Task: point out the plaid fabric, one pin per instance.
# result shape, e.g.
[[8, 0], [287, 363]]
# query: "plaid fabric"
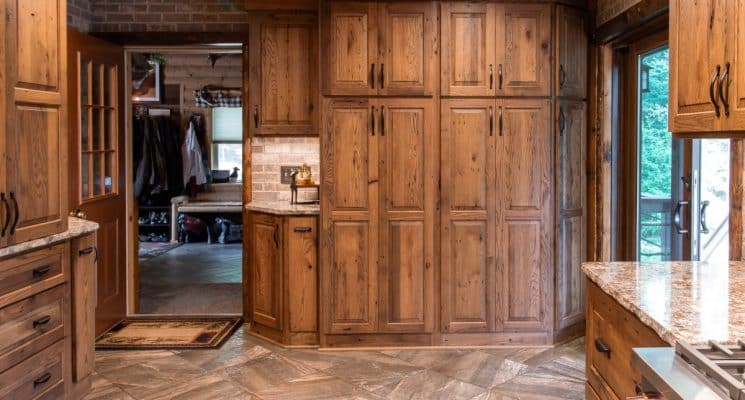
[[219, 98]]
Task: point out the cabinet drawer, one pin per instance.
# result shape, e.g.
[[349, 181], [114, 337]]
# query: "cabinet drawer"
[[612, 332], [39, 377], [30, 273], [30, 325]]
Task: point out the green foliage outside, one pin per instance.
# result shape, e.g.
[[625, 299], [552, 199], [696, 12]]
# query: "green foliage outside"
[[656, 141]]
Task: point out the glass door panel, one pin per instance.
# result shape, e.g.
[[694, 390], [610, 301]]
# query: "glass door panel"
[[712, 239]]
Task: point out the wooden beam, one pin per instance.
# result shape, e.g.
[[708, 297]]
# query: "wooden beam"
[[631, 19]]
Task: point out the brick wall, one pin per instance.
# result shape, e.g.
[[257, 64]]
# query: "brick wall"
[[168, 16], [80, 14], [269, 153]]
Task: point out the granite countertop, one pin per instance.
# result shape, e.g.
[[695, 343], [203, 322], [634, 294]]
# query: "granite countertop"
[[690, 301], [75, 227], [283, 208]]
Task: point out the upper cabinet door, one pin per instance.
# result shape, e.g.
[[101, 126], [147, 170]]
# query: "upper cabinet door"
[[408, 64], [523, 49], [697, 43], [735, 83], [571, 73], [468, 46], [283, 77], [350, 49]]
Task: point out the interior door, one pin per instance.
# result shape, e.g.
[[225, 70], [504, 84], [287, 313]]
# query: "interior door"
[[96, 162]]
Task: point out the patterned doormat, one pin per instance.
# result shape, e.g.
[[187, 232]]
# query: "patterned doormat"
[[163, 333]]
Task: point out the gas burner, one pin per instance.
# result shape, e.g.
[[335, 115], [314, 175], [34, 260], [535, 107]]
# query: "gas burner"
[[724, 365]]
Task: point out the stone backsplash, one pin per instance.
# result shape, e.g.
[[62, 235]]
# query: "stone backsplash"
[[270, 153]]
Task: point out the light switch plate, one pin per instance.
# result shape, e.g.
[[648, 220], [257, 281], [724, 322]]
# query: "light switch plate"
[[287, 171]]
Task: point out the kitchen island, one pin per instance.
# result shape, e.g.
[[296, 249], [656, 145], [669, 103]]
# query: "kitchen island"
[[633, 304]]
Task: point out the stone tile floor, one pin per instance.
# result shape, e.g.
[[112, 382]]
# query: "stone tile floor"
[[250, 368]]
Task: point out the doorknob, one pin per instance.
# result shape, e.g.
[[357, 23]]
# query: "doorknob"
[[677, 217], [78, 213]]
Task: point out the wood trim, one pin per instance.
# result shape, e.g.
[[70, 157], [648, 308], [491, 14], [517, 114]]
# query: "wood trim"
[[737, 200], [637, 16]]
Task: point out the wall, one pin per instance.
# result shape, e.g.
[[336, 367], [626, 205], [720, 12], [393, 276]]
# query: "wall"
[[80, 14], [169, 16]]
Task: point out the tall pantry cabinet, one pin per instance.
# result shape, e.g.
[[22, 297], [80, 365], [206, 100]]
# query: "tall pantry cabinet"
[[447, 161]]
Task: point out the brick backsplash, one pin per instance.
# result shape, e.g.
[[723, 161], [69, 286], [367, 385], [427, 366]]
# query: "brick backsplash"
[[270, 153], [80, 14]]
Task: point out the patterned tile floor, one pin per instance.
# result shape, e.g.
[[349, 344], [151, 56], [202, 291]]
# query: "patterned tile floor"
[[249, 368]]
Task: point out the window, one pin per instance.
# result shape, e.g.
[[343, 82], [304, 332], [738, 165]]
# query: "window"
[[227, 138]]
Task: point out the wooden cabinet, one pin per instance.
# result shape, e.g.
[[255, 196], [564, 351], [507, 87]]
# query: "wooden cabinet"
[[283, 75], [524, 215], [496, 49], [736, 83], [282, 266], [571, 147], [33, 149], [572, 45], [386, 48], [612, 332], [468, 203], [83, 290], [378, 202]]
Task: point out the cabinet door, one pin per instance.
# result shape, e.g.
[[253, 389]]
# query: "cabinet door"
[[408, 176], [571, 192], [571, 73], [3, 123], [523, 49], [697, 41], [302, 273], [468, 45], [524, 183], [350, 216], [265, 278], [468, 218], [36, 66], [350, 49], [409, 48], [284, 58], [736, 81], [84, 285]]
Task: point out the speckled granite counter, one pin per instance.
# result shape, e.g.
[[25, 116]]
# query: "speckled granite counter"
[[283, 208], [75, 227], [689, 301]]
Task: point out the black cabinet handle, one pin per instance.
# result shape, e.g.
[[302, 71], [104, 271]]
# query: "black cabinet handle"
[[562, 121], [382, 120], [562, 76], [372, 75], [602, 347], [372, 119], [491, 76], [382, 76], [42, 321], [256, 116], [42, 379], [722, 84], [712, 95], [17, 213], [88, 250], [491, 121], [303, 229], [7, 214], [499, 74], [501, 123], [39, 272], [276, 238]]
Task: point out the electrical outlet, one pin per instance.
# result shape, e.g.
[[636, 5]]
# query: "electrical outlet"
[[286, 173]]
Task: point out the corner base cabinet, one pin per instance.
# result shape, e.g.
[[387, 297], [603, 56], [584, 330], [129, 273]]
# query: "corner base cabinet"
[[281, 270]]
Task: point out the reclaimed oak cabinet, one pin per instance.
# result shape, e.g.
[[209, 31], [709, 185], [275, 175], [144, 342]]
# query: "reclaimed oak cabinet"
[[33, 151], [283, 75], [385, 48], [282, 271]]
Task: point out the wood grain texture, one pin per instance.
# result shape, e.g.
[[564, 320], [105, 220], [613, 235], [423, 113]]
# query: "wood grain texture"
[[468, 49], [301, 269], [571, 48], [18, 382], [83, 306], [265, 267], [736, 56]]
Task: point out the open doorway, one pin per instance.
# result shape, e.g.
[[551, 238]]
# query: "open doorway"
[[186, 128]]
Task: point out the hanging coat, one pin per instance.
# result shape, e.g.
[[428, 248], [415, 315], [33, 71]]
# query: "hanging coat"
[[191, 156]]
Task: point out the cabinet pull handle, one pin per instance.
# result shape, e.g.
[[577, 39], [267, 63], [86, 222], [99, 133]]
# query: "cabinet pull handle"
[[303, 229], [39, 272], [382, 120], [602, 347], [382, 76], [562, 76], [7, 214], [491, 76], [501, 122], [276, 239], [42, 321], [372, 119], [256, 116], [491, 121], [724, 84], [499, 74], [88, 250], [372, 75], [42, 379], [17, 213], [712, 95], [562, 121]]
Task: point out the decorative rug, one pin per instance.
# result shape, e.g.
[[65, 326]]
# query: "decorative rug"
[[163, 333], [150, 250]]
